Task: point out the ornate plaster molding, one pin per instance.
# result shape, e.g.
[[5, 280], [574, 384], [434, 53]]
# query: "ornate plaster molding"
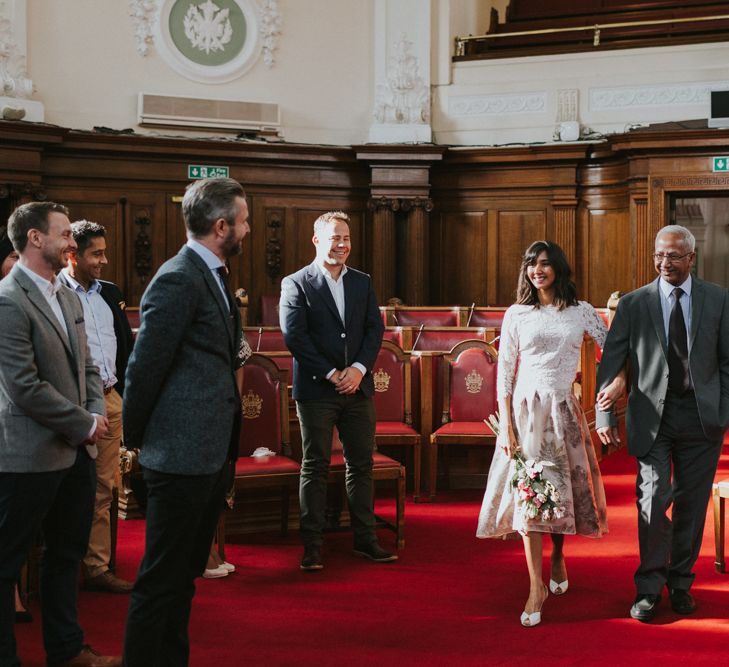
[[13, 76], [487, 105], [629, 97], [270, 22], [404, 97], [145, 16]]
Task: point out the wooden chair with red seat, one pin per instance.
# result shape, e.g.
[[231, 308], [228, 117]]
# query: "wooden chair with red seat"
[[265, 423], [393, 405], [469, 397], [269, 310], [383, 468]]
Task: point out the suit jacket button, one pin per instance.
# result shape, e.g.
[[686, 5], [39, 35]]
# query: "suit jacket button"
[[344, 335], [313, 377]]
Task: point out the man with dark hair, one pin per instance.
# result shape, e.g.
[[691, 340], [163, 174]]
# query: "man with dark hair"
[[182, 410], [332, 325], [52, 412], [110, 342]]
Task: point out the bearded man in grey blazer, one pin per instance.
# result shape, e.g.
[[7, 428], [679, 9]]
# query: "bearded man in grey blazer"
[[182, 410], [674, 336], [51, 417]]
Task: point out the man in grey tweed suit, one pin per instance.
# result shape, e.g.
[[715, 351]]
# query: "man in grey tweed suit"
[[674, 336], [51, 416], [181, 409]]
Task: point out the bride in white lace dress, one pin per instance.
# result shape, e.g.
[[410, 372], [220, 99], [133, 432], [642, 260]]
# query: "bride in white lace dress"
[[541, 336]]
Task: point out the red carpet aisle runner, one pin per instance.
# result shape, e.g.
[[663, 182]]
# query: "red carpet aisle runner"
[[450, 600]]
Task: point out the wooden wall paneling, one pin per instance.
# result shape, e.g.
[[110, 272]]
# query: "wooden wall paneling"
[[464, 257], [517, 230], [607, 245], [146, 217]]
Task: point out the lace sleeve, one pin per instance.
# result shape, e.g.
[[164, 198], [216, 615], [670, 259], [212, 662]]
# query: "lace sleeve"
[[508, 355], [593, 324], [244, 351]]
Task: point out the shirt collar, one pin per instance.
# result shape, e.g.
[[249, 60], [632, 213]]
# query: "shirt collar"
[[667, 288], [328, 275], [46, 287], [76, 286], [212, 261]]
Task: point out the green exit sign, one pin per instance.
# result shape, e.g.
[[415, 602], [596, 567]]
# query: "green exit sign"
[[206, 171], [720, 163]]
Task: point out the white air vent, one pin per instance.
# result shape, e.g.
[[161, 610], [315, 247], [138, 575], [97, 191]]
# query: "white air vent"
[[206, 114]]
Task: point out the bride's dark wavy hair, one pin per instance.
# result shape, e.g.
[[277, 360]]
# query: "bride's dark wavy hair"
[[565, 292]]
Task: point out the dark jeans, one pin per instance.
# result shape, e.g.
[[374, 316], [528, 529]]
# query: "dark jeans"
[[679, 469], [354, 417], [61, 504], [182, 514]]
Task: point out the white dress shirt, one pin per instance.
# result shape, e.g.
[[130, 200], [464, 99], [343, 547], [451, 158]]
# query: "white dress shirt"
[[336, 287]]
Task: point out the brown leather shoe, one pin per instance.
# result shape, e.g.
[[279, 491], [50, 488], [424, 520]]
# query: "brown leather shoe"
[[108, 582], [90, 658]]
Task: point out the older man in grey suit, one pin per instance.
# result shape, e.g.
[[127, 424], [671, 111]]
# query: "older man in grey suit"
[[181, 409], [51, 416], [674, 335]]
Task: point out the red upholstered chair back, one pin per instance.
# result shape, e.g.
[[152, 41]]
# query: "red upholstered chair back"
[[392, 384], [469, 382], [264, 407], [265, 339], [132, 317], [436, 317], [443, 339], [394, 335], [487, 317], [269, 310]]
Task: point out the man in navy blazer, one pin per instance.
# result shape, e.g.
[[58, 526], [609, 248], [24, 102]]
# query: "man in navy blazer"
[[332, 326], [181, 409]]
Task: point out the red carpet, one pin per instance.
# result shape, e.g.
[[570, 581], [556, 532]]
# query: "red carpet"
[[450, 600]]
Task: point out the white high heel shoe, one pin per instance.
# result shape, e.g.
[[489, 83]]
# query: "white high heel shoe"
[[558, 588], [535, 618]]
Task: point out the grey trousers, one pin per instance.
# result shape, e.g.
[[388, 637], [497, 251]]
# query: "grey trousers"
[[678, 470], [354, 417]]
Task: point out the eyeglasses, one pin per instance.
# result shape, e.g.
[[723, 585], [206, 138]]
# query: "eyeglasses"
[[671, 257]]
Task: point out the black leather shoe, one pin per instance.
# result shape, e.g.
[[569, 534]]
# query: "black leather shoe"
[[374, 552], [682, 602], [311, 560], [644, 607]]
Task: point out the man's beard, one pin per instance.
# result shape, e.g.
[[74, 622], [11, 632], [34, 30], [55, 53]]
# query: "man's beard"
[[230, 246]]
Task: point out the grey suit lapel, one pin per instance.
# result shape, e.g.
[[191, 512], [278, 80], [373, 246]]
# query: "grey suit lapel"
[[67, 309], [319, 283], [213, 286], [656, 315], [39, 301], [697, 307]]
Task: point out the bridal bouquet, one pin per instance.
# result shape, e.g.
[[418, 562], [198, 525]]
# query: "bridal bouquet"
[[536, 497]]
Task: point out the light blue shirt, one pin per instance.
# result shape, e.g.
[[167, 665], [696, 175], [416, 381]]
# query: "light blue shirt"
[[99, 328], [49, 290], [212, 261], [667, 301]]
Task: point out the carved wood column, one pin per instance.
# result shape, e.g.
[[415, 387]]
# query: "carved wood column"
[[644, 240], [565, 225], [384, 247], [416, 283]]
